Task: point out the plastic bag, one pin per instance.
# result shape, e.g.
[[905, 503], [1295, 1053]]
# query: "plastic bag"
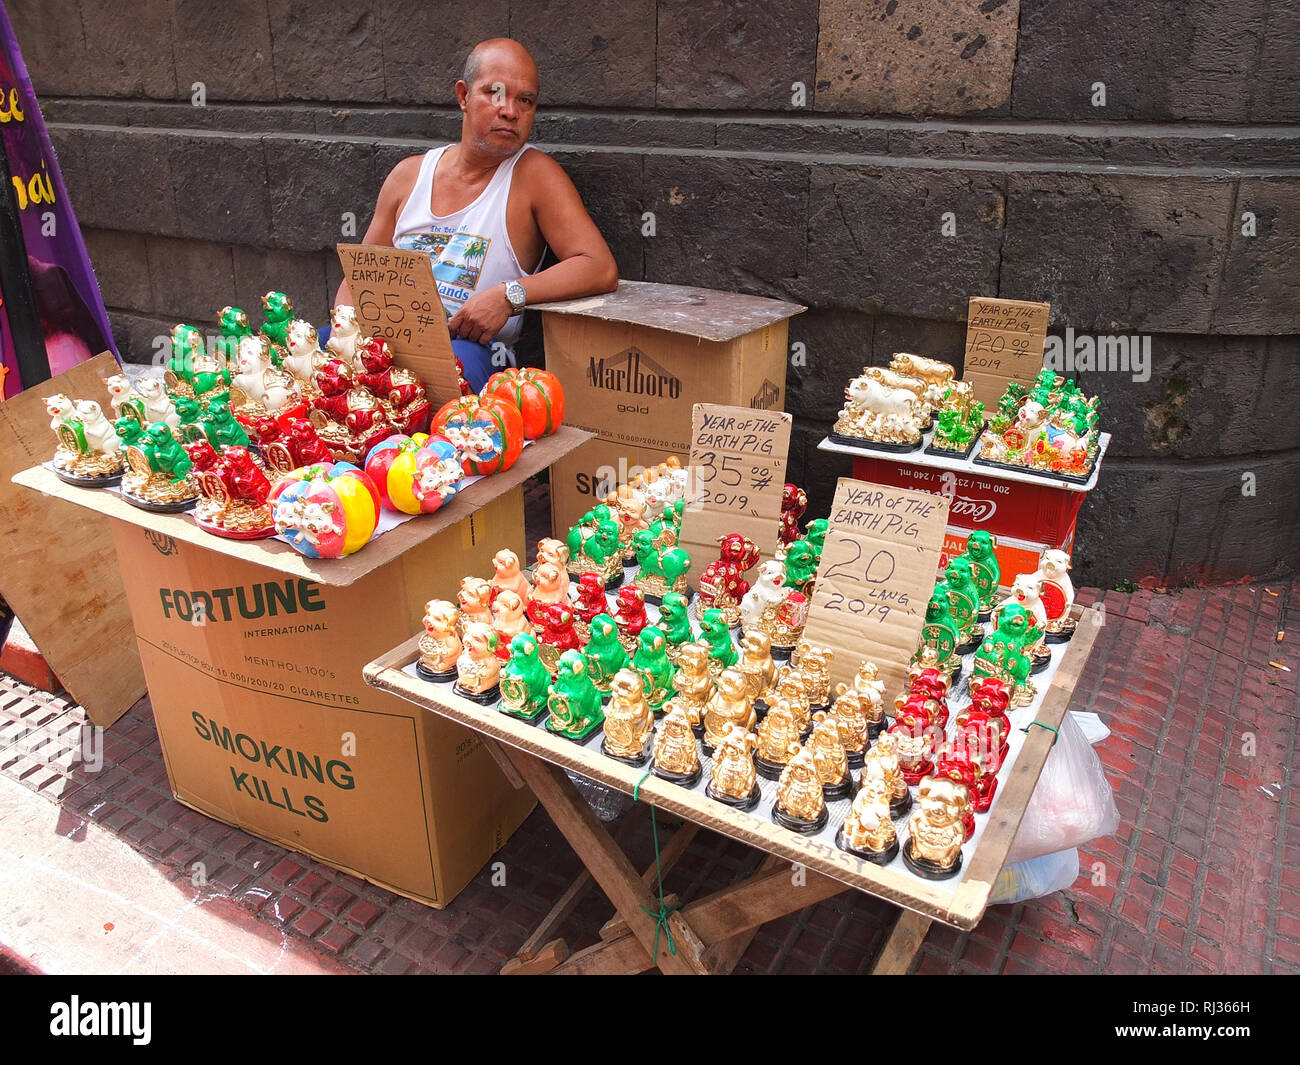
[[1072, 803], [1036, 877]]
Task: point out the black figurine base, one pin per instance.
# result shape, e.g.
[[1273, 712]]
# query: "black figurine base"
[[782, 654], [877, 445], [1047, 475], [958, 454], [160, 508], [686, 780], [87, 482], [842, 790], [484, 698], [1040, 663], [877, 857], [798, 824], [1063, 636], [768, 770], [900, 807], [856, 758], [927, 869], [747, 803], [636, 760], [425, 673], [968, 647]]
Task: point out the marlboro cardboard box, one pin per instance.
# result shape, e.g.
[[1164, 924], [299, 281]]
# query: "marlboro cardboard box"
[[254, 655], [633, 364]]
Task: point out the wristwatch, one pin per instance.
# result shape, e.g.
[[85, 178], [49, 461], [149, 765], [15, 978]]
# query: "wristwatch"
[[517, 296]]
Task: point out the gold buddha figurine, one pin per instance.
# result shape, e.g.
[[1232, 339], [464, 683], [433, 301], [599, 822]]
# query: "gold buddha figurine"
[[854, 714], [728, 705], [800, 804], [693, 681], [885, 752], [790, 686], [629, 721], [829, 756], [756, 663], [475, 598], [935, 829], [676, 752], [815, 664], [778, 737], [478, 669], [868, 830], [439, 645], [732, 778]]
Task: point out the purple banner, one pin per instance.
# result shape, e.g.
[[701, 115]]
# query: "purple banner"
[[73, 321]]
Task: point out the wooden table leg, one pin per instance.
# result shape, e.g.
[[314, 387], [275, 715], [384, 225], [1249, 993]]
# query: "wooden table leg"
[[903, 943], [610, 867]]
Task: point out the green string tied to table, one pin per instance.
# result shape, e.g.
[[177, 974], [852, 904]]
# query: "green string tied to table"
[[664, 912], [1056, 733]]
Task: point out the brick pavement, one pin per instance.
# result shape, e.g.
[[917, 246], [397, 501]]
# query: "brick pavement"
[[1202, 876]]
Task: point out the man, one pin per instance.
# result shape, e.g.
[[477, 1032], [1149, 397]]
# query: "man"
[[486, 208]]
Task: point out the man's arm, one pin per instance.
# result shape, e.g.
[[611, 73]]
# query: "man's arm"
[[392, 198], [586, 266]]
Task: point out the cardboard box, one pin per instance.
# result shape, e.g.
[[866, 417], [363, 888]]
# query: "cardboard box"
[[254, 658], [635, 361]]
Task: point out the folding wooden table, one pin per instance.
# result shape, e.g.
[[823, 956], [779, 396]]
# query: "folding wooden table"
[[710, 934]]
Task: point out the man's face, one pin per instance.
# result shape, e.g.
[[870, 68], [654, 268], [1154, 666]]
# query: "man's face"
[[501, 104]]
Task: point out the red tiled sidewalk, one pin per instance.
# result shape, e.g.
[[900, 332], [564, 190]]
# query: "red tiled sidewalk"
[[1203, 875]]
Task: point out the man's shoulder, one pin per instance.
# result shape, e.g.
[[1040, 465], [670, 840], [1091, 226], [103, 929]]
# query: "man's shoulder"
[[405, 172], [539, 170]]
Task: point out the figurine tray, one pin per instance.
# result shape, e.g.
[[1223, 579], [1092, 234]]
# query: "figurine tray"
[[959, 901]]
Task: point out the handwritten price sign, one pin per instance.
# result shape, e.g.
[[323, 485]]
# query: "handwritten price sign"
[[397, 300], [738, 458], [875, 578], [1004, 343]]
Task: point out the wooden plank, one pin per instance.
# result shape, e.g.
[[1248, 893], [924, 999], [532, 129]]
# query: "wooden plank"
[[901, 946], [724, 956], [961, 905], [541, 961], [618, 957], [751, 903], [565, 904], [277, 554], [616, 926], [617, 878], [504, 764], [58, 567]]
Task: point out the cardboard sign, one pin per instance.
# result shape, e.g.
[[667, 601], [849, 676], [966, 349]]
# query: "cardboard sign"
[[875, 578], [1004, 343], [58, 570], [737, 469], [397, 299]]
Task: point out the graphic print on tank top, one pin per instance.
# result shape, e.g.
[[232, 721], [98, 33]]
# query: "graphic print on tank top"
[[458, 259]]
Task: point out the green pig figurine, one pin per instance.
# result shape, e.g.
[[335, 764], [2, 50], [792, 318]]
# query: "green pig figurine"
[[965, 599], [279, 313], [715, 631], [574, 702], [525, 683], [1003, 655], [605, 654], [980, 550], [651, 661], [675, 621], [221, 428]]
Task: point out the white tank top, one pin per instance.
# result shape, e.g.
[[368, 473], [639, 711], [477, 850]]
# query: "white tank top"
[[470, 248]]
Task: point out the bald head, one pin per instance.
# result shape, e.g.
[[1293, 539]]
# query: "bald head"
[[498, 50]]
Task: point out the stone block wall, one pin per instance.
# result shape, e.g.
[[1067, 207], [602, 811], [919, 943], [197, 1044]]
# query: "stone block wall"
[[1136, 164]]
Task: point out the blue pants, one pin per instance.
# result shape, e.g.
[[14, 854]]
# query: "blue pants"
[[477, 360]]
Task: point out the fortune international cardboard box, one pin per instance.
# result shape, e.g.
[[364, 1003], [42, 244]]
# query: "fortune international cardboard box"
[[254, 656], [635, 361]]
